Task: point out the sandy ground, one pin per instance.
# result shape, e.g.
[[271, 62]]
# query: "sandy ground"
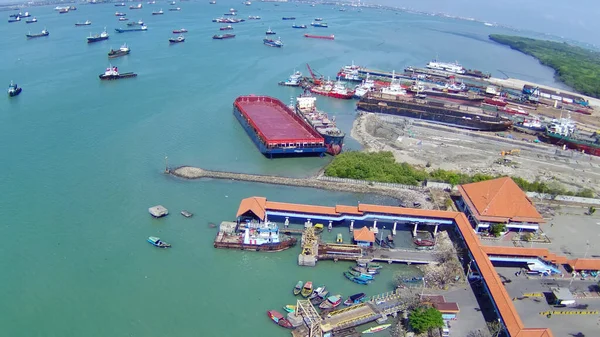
[[420, 143]]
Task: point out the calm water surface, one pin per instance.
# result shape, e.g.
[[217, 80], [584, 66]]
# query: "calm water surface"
[[82, 162]]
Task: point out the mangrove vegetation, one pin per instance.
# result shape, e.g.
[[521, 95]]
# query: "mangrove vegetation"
[[577, 67]]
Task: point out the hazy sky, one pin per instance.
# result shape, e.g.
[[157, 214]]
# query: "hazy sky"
[[574, 19]]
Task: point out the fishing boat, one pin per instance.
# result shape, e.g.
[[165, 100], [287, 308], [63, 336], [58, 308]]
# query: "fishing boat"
[[231, 10], [377, 328], [180, 31], [319, 292], [318, 19], [123, 19], [288, 18], [564, 132], [332, 302], [172, 3], [395, 88], [299, 26], [230, 14], [124, 50], [364, 276], [334, 90], [273, 43], [112, 73], [279, 319], [122, 4], [340, 238], [33, 20], [138, 6], [228, 27], [43, 33], [136, 29], [86, 23], [98, 37], [355, 299], [223, 36], [372, 265], [354, 279], [270, 32], [63, 11], [178, 39], [17, 19], [322, 37], [160, 12], [319, 24], [289, 308], [120, 14], [155, 241], [176, 9], [365, 270], [13, 89], [136, 23], [254, 17], [298, 288], [307, 289], [213, 2], [366, 86], [187, 214], [424, 242]]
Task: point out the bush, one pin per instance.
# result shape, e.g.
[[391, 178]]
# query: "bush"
[[498, 229], [424, 319]]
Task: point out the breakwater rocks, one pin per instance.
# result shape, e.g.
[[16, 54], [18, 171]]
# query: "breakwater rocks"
[[402, 192]]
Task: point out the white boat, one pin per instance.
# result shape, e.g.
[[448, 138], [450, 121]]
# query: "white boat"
[[293, 80], [445, 66], [366, 86], [395, 87]]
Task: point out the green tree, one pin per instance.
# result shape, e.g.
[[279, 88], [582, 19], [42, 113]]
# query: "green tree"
[[498, 229], [424, 319]]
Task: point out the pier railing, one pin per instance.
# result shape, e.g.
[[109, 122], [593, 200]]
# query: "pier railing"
[[371, 183]]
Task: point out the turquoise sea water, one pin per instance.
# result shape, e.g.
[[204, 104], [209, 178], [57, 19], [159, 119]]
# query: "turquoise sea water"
[[82, 162]]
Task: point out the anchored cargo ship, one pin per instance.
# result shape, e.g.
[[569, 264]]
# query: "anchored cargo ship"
[[441, 113], [324, 37], [307, 109], [275, 129]]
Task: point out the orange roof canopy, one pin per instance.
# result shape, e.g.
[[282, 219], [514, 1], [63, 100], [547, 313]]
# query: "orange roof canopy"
[[364, 234]]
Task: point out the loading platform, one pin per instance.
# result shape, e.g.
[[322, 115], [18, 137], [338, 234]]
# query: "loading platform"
[[376, 307]]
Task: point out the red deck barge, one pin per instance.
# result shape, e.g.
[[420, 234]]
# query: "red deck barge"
[[275, 128]]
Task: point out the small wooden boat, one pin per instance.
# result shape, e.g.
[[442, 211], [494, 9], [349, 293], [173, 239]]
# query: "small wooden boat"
[[298, 288], [377, 328], [364, 270], [279, 319], [356, 280], [375, 266], [332, 302], [307, 289], [289, 308], [424, 242], [155, 241], [366, 277], [319, 292], [340, 238], [187, 214], [355, 299]]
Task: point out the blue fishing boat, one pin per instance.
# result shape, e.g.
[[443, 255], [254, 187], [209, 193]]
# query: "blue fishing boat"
[[288, 18], [155, 241], [366, 277], [356, 280], [319, 24], [299, 26], [14, 89], [135, 29], [355, 299]]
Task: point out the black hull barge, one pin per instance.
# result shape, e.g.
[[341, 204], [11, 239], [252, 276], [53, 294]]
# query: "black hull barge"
[[447, 114]]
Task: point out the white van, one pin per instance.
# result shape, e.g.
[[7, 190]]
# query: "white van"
[[446, 329]]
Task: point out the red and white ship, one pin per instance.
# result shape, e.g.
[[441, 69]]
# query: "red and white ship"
[[515, 111], [335, 90], [350, 73]]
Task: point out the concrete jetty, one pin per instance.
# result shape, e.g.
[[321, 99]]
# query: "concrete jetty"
[[322, 182]]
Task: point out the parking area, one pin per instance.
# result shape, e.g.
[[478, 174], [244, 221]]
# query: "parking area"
[[529, 307]]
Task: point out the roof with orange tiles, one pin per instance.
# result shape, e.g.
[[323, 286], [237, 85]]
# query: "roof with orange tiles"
[[447, 307], [364, 234], [503, 302], [584, 264], [499, 200], [520, 251]]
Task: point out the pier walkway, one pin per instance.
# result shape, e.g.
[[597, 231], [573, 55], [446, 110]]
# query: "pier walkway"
[[376, 307]]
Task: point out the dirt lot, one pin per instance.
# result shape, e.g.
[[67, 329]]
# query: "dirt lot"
[[422, 143]]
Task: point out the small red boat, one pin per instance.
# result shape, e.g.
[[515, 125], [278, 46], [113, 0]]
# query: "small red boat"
[[513, 111], [324, 37], [278, 318], [424, 242], [585, 112], [495, 101], [179, 31]]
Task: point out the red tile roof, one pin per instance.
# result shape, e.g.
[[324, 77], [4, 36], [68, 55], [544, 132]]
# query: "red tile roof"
[[499, 200], [447, 307], [364, 234], [503, 302], [584, 264]]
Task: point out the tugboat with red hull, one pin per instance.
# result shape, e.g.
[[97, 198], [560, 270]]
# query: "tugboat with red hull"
[[275, 129], [333, 136]]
